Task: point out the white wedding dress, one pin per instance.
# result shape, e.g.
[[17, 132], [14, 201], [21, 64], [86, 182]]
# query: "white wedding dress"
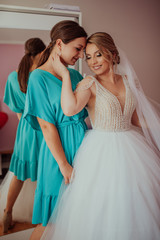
[[115, 191]]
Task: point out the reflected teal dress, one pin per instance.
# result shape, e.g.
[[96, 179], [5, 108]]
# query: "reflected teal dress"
[[24, 161], [43, 101]]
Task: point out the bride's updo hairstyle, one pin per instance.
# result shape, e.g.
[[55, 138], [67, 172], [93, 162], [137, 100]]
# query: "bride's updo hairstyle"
[[106, 45]]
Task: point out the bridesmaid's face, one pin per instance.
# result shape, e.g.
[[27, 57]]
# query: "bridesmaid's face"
[[72, 51], [95, 60]]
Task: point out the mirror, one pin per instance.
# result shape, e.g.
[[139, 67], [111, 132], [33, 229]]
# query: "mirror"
[[12, 50], [18, 24]]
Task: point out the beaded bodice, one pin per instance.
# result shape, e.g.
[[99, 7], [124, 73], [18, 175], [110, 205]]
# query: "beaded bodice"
[[109, 115]]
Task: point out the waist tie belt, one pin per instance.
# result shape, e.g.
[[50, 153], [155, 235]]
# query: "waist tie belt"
[[76, 122]]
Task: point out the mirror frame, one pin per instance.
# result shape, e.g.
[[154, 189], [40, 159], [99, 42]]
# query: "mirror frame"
[[20, 15]]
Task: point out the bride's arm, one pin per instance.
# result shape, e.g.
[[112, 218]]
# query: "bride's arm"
[[135, 120], [71, 102]]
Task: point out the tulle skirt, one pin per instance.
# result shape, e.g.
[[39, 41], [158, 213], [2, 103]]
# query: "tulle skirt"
[[115, 192], [23, 207]]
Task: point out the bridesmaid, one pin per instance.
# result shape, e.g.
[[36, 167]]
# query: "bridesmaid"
[[24, 161], [62, 135]]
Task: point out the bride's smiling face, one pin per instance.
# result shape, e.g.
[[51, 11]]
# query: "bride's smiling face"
[[95, 60]]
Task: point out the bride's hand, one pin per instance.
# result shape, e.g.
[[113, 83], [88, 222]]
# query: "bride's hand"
[[58, 66], [66, 170]]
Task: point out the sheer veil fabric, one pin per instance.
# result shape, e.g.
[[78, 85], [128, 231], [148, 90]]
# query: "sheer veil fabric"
[[147, 109]]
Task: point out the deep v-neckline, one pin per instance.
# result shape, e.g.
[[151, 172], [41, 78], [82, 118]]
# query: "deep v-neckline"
[[114, 96]]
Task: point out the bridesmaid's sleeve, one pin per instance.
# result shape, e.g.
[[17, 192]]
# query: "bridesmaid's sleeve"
[[37, 102], [13, 96]]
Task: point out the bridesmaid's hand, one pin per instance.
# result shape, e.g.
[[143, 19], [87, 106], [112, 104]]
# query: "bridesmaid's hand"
[[58, 66], [66, 170]]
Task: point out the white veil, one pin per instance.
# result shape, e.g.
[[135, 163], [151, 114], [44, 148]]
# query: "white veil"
[[148, 111]]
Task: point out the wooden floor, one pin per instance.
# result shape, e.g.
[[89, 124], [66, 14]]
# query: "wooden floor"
[[18, 227]]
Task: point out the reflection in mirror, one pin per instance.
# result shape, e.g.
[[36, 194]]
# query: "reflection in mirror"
[[12, 50]]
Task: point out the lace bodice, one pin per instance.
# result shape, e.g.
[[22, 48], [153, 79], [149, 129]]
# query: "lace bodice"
[[109, 115]]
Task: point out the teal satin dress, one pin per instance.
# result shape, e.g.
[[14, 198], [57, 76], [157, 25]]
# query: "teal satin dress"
[[43, 101], [24, 161]]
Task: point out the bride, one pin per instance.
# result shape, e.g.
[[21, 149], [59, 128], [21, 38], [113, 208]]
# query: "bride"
[[115, 190]]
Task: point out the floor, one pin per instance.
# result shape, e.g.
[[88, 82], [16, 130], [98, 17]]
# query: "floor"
[[25, 235], [18, 232]]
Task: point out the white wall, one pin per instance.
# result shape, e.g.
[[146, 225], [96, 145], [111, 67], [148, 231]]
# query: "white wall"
[[134, 25]]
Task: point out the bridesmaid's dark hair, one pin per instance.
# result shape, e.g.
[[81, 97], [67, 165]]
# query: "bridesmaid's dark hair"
[[33, 46], [67, 31]]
